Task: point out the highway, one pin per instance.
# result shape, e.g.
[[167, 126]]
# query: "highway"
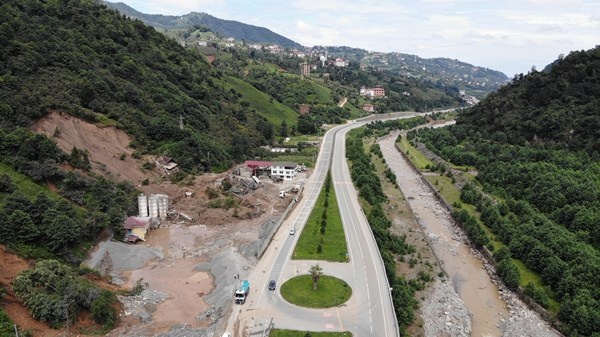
[[369, 312]]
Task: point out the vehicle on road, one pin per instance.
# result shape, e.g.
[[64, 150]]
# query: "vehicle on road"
[[292, 231], [272, 285], [226, 334], [242, 292]]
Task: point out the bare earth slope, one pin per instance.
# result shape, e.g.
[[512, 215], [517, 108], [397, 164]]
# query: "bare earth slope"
[[106, 145]]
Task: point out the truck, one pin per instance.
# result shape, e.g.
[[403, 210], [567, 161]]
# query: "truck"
[[242, 292]]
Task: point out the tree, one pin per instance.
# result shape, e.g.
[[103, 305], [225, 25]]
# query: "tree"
[[21, 227], [6, 184], [315, 273], [306, 125], [283, 130]]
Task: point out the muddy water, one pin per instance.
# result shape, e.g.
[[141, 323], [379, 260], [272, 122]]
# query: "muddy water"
[[465, 271]]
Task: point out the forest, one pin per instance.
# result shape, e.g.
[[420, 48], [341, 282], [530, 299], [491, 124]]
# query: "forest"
[[90, 61], [558, 105], [537, 192]]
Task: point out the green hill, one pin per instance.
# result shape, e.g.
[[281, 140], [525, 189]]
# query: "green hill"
[[91, 62], [227, 28], [559, 105], [263, 104], [474, 80], [534, 145]]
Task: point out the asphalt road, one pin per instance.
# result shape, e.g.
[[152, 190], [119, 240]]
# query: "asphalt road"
[[369, 312]]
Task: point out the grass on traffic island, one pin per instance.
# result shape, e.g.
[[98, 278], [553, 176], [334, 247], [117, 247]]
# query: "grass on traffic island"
[[332, 241], [295, 333], [331, 291]]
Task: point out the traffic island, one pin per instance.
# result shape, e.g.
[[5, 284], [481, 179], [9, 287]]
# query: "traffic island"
[[330, 291]]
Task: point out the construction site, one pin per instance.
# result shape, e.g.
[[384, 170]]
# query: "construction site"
[[187, 241]]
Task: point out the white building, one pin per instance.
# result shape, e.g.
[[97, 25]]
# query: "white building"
[[286, 170], [340, 62]]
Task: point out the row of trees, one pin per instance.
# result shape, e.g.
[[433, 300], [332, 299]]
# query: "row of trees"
[[548, 215], [365, 179]]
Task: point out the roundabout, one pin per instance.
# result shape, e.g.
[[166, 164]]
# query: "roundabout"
[[330, 291]]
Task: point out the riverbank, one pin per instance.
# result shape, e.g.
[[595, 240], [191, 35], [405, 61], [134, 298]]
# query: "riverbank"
[[492, 309]]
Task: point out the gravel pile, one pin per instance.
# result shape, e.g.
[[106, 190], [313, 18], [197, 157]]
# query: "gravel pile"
[[522, 321], [142, 305], [184, 330], [444, 313]]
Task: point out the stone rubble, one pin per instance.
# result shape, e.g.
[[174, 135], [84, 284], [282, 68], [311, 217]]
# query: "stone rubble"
[[444, 312]]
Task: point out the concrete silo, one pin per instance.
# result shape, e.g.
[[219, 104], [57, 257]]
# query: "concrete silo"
[[143, 205], [153, 206]]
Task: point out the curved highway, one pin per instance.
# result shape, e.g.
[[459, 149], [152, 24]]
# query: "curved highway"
[[369, 312]]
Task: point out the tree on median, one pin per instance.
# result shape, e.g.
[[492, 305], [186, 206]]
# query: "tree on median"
[[315, 273]]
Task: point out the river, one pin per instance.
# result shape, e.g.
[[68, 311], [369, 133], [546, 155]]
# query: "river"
[[467, 274]]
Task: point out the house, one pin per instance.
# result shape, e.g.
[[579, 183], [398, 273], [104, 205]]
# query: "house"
[[167, 164], [340, 62], [136, 227], [285, 170], [259, 168], [283, 149], [243, 171], [377, 91], [368, 107], [305, 68]]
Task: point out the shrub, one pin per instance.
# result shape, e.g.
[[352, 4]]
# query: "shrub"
[[102, 310]]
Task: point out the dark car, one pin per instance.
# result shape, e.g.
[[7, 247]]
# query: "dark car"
[[272, 285]]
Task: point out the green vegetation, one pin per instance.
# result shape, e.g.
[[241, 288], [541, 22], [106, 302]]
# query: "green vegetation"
[[323, 235], [330, 292], [557, 105], [415, 156], [54, 293], [295, 333], [93, 63], [204, 22], [6, 325], [271, 110], [44, 224], [368, 183], [442, 71], [542, 199]]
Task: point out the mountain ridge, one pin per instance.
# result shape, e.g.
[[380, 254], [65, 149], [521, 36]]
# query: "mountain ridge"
[[558, 105], [228, 28], [475, 80]]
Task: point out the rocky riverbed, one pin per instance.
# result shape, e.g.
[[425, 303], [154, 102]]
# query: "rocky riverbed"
[[445, 310]]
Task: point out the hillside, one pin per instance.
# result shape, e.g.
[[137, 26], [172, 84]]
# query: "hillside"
[[91, 62], [226, 28], [559, 105], [474, 80], [534, 147]]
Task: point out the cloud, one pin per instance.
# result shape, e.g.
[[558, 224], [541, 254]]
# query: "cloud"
[[564, 19], [490, 33], [309, 34]]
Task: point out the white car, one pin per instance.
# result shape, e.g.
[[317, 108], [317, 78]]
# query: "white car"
[[226, 334], [292, 231]]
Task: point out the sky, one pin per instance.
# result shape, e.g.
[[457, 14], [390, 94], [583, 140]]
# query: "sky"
[[506, 35]]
